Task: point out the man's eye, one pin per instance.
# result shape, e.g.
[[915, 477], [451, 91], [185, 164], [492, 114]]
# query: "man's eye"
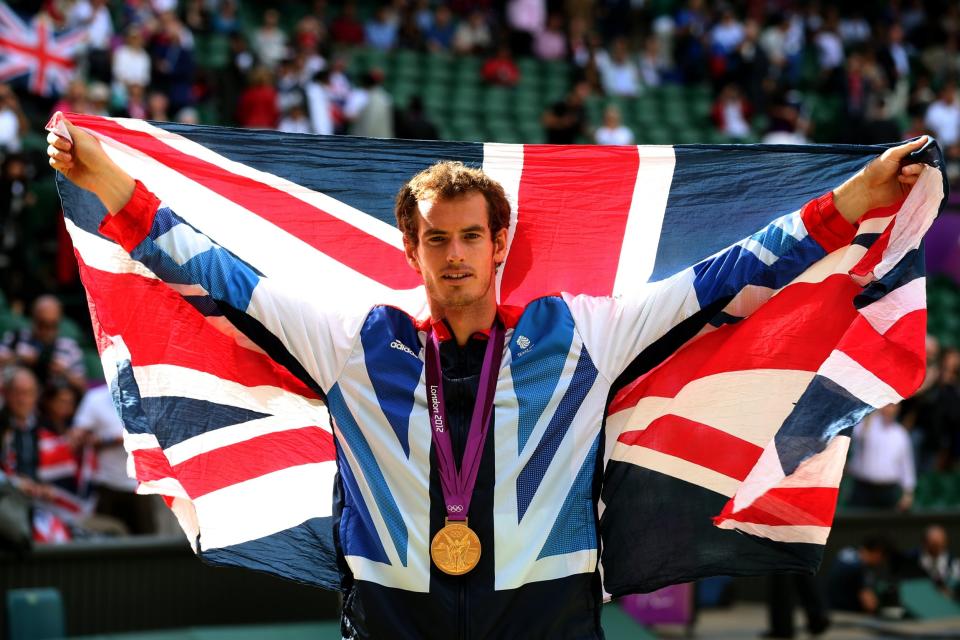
[[472, 236]]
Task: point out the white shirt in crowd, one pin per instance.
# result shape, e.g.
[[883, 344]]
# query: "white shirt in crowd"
[[131, 66], [614, 135], [882, 453], [619, 79], [830, 48], [97, 415], [9, 131], [98, 22], [944, 120], [270, 45]]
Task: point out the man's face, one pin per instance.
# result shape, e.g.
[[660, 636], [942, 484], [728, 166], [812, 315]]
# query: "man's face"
[[46, 322], [22, 395], [455, 252]]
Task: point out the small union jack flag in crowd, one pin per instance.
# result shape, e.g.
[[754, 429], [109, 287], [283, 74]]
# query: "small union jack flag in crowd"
[[35, 51]]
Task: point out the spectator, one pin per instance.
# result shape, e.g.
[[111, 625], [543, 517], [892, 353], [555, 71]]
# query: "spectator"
[[439, 36], [19, 424], [269, 40], [727, 34], [319, 104], [381, 31], [136, 102], [98, 99], [731, 113], [13, 122], [173, 62], [295, 120], [370, 108], [225, 19], [347, 29], [551, 43], [97, 425], [881, 464], [33, 456], [653, 67], [787, 123], [943, 118], [501, 69], [131, 62], [473, 35], [566, 121], [934, 411], [618, 74], [853, 582], [94, 16], [612, 131], [258, 103], [936, 562], [40, 347], [74, 100], [413, 123], [158, 107], [525, 19]]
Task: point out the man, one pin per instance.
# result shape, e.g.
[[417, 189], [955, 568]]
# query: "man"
[[42, 349], [936, 562], [882, 462], [97, 424], [858, 580], [432, 548]]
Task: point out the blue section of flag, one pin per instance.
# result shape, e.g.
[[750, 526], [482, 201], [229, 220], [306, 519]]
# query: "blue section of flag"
[[529, 479], [824, 410], [303, 553], [536, 382], [368, 179], [184, 418], [390, 344], [728, 273], [126, 398], [746, 188], [575, 527], [386, 504]]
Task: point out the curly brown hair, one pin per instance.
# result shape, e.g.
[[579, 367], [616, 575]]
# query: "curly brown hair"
[[446, 180]]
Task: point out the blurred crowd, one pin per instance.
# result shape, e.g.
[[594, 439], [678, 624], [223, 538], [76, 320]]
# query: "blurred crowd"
[[61, 441]]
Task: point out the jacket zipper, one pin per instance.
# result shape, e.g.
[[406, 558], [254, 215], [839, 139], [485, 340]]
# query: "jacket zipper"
[[462, 610]]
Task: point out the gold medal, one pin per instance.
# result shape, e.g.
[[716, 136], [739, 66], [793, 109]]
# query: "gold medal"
[[455, 549]]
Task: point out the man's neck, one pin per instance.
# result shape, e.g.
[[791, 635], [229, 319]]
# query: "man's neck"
[[466, 321]]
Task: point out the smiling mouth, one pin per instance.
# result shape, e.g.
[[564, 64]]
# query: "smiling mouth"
[[456, 276]]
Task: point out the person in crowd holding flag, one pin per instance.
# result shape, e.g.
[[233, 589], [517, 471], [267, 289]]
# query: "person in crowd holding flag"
[[471, 542]]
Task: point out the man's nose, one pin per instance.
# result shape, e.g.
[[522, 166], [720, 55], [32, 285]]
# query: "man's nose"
[[455, 252]]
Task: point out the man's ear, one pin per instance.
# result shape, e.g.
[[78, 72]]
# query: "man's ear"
[[500, 246], [410, 252]]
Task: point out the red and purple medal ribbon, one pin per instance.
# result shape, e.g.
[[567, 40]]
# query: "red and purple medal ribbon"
[[457, 485]]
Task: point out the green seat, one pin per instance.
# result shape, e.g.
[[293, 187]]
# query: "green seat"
[[923, 601], [93, 365], [34, 614]]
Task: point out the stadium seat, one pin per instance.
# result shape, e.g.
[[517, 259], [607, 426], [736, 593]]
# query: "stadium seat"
[[34, 614], [923, 601]]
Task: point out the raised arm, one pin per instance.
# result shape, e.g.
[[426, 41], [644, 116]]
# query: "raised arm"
[[666, 314], [271, 313]]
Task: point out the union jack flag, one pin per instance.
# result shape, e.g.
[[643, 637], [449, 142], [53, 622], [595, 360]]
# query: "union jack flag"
[[37, 52], [724, 443]]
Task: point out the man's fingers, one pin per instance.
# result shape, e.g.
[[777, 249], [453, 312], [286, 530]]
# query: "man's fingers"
[[900, 152], [62, 156], [914, 169], [911, 180], [58, 142]]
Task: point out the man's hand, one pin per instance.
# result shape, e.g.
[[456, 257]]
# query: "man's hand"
[[879, 184], [86, 164]]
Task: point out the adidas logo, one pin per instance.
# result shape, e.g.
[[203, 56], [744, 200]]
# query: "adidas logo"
[[523, 342], [396, 344]]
